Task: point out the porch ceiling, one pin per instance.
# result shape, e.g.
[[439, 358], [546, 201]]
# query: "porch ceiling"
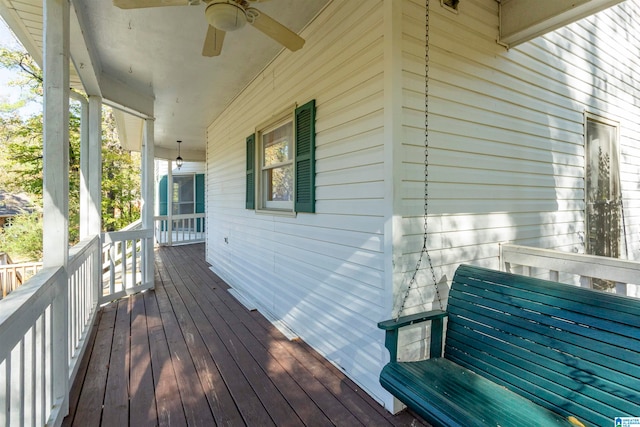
[[150, 59], [142, 57]]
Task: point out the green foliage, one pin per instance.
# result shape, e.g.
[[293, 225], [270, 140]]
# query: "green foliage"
[[21, 160], [21, 237], [28, 75], [120, 180]]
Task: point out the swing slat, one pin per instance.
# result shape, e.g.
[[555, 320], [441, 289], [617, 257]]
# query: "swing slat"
[[522, 351]]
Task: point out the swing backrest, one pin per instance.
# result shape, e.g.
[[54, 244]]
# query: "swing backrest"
[[570, 349]]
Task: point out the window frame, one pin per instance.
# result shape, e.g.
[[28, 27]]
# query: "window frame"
[[304, 135], [615, 151], [263, 205]]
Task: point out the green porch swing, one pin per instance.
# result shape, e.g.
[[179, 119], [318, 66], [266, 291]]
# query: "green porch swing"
[[519, 351]]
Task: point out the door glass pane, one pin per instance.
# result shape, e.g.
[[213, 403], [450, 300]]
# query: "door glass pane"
[[183, 195]]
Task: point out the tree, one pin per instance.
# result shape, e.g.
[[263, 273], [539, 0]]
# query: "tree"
[[21, 158], [120, 179], [22, 238]]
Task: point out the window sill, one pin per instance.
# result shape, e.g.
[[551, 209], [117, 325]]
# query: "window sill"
[[277, 212]]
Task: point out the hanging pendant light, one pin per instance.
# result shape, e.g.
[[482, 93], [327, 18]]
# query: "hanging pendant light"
[[179, 159]]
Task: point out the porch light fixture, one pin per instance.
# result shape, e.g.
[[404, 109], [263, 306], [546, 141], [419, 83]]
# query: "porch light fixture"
[[179, 159], [227, 16]]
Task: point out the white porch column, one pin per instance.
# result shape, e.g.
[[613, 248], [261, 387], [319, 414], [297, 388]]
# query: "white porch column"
[[84, 163], [169, 202], [94, 218], [148, 191], [56, 180]]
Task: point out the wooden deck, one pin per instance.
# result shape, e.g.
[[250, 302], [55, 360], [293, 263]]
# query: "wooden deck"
[[187, 353]]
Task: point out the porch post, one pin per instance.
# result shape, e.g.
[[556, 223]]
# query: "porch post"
[[170, 202], [56, 181], [94, 193], [84, 164], [148, 204], [94, 219], [90, 173]]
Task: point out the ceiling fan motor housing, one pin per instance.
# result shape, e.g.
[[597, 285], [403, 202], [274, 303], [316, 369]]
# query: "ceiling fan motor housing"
[[227, 16]]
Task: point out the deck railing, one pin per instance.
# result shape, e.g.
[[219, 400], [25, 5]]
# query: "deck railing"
[[613, 274], [123, 263], [83, 295], [14, 275], [43, 334], [44, 324], [180, 229]]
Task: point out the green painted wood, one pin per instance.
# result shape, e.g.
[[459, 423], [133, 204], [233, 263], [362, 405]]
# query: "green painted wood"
[[305, 170], [391, 327], [250, 183], [403, 321], [199, 192], [570, 350], [162, 195], [446, 394]]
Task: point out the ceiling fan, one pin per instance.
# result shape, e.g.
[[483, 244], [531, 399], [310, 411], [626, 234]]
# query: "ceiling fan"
[[225, 16]]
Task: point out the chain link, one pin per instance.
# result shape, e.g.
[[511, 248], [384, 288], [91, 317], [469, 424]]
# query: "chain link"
[[425, 250]]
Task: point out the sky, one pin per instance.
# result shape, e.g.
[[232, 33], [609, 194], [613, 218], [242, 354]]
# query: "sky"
[[11, 93]]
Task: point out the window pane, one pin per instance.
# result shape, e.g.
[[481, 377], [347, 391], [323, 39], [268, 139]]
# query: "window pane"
[[603, 213], [277, 145], [278, 184]]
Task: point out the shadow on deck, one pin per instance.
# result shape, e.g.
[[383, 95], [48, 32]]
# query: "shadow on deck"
[[187, 353]]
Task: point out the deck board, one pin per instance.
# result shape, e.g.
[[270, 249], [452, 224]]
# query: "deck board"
[[187, 353]]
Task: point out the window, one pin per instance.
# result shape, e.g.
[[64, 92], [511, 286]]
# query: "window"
[[603, 197], [280, 172], [276, 165]]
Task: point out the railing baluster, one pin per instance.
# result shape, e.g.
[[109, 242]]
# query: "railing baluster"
[[5, 398], [17, 381], [30, 350], [40, 369], [123, 264], [621, 288], [585, 282], [134, 263]]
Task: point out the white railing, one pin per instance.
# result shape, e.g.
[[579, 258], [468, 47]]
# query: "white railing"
[[14, 275], [45, 323], [43, 334], [33, 352], [83, 294], [572, 268], [123, 265], [180, 229]]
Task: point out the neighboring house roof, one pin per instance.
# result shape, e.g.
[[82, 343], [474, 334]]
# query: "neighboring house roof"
[[14, 204]]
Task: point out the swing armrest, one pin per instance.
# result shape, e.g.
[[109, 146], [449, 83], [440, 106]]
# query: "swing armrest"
[[392, 326]]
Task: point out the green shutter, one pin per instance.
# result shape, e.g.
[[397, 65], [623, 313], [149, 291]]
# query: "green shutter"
[[200, 193], [162, 197], [305, 157], [199, 178], [251, 175]]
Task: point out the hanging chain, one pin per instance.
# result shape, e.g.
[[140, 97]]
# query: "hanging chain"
[[425, 250]]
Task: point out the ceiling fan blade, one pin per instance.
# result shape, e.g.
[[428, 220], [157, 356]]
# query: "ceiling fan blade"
[[136, 4], [213, 42], [277, 31]]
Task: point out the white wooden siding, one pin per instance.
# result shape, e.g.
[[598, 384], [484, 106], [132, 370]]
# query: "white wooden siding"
[[322, 273], [506, 154], [506, 134], [187, 168]]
